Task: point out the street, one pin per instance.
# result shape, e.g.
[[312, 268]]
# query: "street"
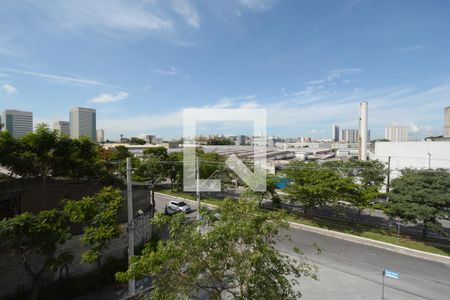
[[349, 270]]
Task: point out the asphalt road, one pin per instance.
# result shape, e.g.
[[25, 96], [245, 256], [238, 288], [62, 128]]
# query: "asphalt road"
[[349, 270]]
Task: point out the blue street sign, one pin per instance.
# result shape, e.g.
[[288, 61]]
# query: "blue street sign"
[[391, 274]]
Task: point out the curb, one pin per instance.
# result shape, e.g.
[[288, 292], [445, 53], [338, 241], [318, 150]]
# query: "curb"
[[353, 238]]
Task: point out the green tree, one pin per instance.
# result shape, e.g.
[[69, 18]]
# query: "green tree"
[[137, 141], [120, 153], [420, 196], [47, 153], [29, 235], [160, 152], [269, 194], [314, 185], [235, 258], [367, 176], [175, 169], [99, 216]]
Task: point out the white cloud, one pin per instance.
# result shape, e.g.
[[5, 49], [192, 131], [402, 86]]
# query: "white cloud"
[[9, 89], [60, 78], [106, 16], [108, 98], [258, 5], [187, 11], [413, 48], [172, 71]]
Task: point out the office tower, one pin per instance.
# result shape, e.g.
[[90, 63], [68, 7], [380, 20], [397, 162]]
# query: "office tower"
[[62, 126], [396, 133], [240, 140], [447, 122], [17, 123], [83, 123], [100, 136], [363, 131], [336, 133]]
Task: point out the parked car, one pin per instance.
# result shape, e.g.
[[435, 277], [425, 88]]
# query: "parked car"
[[178, 206]]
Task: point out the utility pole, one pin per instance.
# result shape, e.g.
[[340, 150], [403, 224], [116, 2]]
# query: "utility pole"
[[429, 160], [131, 284], [388, 177], [197, 185]]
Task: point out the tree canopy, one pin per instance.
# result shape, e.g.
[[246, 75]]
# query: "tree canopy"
[[420, 196], [234, 256], [98, 214], [46, 153], [28, 235]]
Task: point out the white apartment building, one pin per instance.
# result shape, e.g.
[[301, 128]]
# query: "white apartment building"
[[62, 126], [83, 123], [349, 135], [100, 136], [447, 122], [396, 133], [17, 123]]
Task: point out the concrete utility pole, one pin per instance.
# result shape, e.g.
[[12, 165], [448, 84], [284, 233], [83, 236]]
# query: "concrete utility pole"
[[131, 284], [388, 177], [197, 185], [429, 160], [363, 131]]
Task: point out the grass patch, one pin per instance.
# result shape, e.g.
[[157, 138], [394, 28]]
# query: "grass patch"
[[374, 233]]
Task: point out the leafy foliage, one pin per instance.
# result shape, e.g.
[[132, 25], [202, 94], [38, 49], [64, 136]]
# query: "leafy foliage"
[[47, 153], [39, 234], [314, 186], [317, 184], [98, 214], [420, 196], [160, 152], [233, 257]]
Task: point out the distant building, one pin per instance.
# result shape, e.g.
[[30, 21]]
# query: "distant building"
[[62, 126], [149, 139], [349, 135], [17, 123], [241, 140], [396, 133], [100, 136], [447, 122], [83, 123], [336, 133]]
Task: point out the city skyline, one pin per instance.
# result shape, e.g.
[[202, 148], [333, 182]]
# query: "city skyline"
[[140, 64]]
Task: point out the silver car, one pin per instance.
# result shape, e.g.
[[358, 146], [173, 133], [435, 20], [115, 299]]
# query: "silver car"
[[179, 206]]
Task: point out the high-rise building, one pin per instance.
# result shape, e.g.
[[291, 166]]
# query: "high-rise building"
[[100, 136], [241, 140], [62, 126], [447, 122], [18, 123], [83, 123], [396, 133], [336, 133], [349, 135]]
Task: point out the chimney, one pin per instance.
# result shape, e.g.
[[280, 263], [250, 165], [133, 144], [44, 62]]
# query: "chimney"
[[363, 111]]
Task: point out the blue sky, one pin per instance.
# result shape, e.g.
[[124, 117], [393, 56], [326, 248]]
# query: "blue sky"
[[308, 62]]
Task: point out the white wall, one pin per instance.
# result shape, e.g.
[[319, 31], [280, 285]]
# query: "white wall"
[[413, 154]]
